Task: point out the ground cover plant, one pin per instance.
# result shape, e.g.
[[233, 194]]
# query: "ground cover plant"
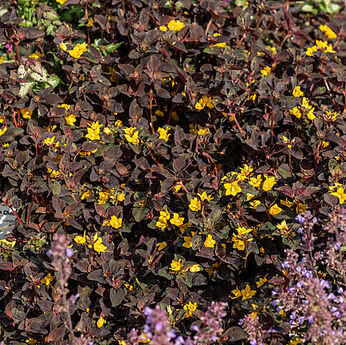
[[176, 169]]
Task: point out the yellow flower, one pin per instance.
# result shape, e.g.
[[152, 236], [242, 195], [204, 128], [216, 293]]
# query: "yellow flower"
[[254, 204], [53, 173], [26, 113], [118, 123], [272, 49], [249, 196], [94, 131], [256, 181], [162, 224], [340, 194], [203, 102], [195, 268], [176, 220], [262, 281], [165, 215], [297, 92], [209, 242], [245, 172], [242, 230], [2, 58], [324, 144], [205, 196], [247, 292], [236, 292], [203, 131], [265, 71], [176, 265], [71, 119], [116, 222], [324, 46], [286, 203], [296, 112], [161, 245], [269, 183], [35, 55], [163, 28], [98, 246], [61, 2], [121, 197], [195, 204], [90, 22], [328, 31], [128, 286], [188, 241], [80, 239], [163, 133], [175, 25], [86, 195], [282, 225], [78, 50], [274, 210], [32, 341], [47, 279], [63, 46], [8, 243], [190, 306], [103, 197], [50, 142], [295, 341], [311, 50], [131, 135], [144, 338], [232, 188], [122, 342], [238, 243], [100, 322], [300, 208], [49, 128]]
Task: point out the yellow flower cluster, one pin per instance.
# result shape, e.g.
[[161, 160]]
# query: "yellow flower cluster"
[[100, 322], [114, 222], [204, 101], [47, 279], [94, 131], [51, 142], [36, 55], [165, 216], [304, 109], [244, 294], [321, 46], [338, 191], [71, 118], [177, 265], [131, 135], [241, 238], [197, 129], [209, 242], [175, 25], [112, 194], [95, 242], [297, 92], [190, 308], [266, 71], [78, 50], [328, 31]]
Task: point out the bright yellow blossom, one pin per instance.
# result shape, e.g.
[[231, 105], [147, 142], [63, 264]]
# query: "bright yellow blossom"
[[131, 135], [98, 246], [71, 119], [247, 292], [63, 46], [176, 220], [94, 131], [296, 112], [176, 265], [175, 25], [188, 241], [61, 2], [256, 181], [254, 204], [163, 28], [100, 322], [116, 222], [266, 71], [103, 197], [268, 183], [78, 50], [205, 196], [340, 194], [195, 268], [209, 242], [297, 92], [144, 338], [195, 204], [274, 210], [232, 188], [47, 279], [35, 55], [203, 102], [90, 22], [327, 31], [163, 133], [80, 239]]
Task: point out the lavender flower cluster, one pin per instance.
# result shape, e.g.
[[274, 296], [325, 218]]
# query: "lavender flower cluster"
[[158, 330], [316, 309]]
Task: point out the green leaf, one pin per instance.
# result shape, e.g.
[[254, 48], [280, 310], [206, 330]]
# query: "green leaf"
[[25, 88], [53, 81]]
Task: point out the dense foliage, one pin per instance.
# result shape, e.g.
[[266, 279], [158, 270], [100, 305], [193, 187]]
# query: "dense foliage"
[[163, 155]]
